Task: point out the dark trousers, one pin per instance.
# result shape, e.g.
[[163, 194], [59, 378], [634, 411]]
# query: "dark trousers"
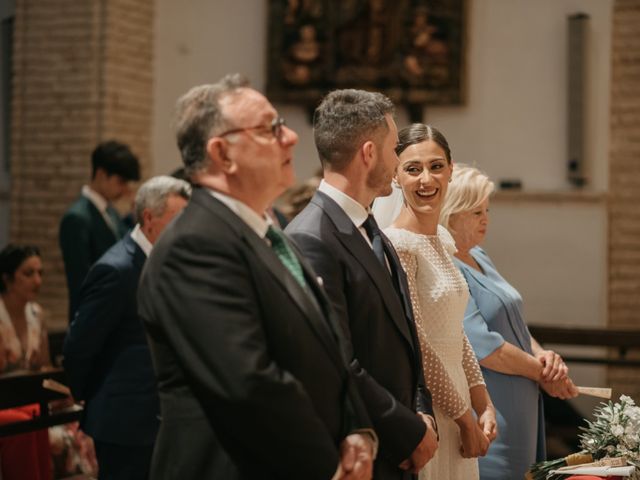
[[123, 462]]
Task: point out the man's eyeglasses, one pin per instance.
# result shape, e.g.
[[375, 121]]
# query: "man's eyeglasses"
[[276, 129]]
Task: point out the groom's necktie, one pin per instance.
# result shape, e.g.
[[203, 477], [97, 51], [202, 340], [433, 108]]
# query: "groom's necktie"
[[373, 232], [284, 252]]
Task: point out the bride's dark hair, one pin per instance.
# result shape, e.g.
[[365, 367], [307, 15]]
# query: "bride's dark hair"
[[418, 133]]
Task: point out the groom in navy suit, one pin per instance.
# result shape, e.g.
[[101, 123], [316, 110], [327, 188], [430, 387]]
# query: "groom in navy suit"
[[106, 356], [356, 137]]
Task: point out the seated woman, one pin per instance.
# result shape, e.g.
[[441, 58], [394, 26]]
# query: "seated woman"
[[24, 346], [513, 364]]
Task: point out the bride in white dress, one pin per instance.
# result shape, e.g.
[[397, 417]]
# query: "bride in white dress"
[[439, 295]]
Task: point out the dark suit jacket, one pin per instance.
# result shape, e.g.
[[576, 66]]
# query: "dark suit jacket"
[[84, 237], [378, 323], [106, 355], [252, 381]]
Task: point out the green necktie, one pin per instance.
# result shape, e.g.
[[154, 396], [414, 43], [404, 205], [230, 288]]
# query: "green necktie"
[[285, 254]]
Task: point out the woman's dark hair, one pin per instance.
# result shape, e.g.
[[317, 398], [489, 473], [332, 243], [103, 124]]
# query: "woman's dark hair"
[[418, 133], [11, 257]]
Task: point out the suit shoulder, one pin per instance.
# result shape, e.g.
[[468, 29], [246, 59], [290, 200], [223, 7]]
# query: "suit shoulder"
[[78, 212], [311, 220]]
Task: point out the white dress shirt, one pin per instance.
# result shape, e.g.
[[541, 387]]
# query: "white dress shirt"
[[353, 209], [101, 204], [257, 223], [143, 242]]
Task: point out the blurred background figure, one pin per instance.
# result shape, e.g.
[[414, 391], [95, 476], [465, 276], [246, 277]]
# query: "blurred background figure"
[[24, 346], [514, 365], [106, 355], [295, 199], [91, 224]]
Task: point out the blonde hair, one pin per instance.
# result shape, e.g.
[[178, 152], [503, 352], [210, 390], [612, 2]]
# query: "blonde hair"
[[469, 187]]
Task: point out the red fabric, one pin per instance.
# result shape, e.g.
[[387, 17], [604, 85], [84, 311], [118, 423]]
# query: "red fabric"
[[25, 456], [591, 477]]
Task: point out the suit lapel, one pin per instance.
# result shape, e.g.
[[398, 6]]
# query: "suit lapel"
[[99, 222], [282, 276], [353, 241], [298, 294], [133, 249]]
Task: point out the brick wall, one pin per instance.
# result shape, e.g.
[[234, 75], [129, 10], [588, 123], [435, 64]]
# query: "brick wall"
[[82, 74], [624, 183]]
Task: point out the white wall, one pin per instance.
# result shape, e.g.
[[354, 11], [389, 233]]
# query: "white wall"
[[514, 123], [512, 126]]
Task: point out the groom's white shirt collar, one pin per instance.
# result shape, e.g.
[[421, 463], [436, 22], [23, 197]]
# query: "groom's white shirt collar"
[[356, 212]]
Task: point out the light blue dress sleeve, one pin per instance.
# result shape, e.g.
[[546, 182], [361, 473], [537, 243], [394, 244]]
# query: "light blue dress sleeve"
[[483, 340]]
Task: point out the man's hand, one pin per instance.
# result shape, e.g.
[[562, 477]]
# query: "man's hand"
[[356, 458], [425, 450], [554, 368], [562, 389]]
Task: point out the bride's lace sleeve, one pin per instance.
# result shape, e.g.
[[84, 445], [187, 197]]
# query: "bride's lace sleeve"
[[438, 381], [470, 364]]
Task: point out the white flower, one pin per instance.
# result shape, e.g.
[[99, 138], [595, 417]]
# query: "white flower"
[[617, 430], [626, 399]]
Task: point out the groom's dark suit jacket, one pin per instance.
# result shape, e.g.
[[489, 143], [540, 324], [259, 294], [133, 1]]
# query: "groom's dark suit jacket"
[[376, 320], [252, 379]]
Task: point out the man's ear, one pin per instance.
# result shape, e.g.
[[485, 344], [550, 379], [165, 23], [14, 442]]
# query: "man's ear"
[[369, 154], [217, 153], [147, 217]]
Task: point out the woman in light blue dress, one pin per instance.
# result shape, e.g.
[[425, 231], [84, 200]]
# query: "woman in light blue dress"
[[513, 364]]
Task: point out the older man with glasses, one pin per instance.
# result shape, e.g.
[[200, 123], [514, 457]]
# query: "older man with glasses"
[[253, 381]]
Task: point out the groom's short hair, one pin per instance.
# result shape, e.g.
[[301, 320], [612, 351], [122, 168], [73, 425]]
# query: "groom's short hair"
[[345, 120]]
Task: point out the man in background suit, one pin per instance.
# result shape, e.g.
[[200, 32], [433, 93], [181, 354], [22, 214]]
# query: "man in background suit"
[[252, 379], [106, 355], [91, 225], [356, 136]]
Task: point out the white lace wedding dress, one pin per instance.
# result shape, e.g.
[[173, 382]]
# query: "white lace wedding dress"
[[439, 295]]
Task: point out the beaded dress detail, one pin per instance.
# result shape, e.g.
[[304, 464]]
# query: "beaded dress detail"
[[439, 296]]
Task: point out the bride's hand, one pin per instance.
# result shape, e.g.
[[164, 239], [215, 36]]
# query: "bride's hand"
[[474, 442], [487, 422]]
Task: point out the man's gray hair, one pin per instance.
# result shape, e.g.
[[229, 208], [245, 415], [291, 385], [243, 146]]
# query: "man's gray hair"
[[199, 117], [345, 120], [153, 194]]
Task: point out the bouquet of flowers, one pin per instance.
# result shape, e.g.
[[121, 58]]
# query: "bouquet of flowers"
[[614, 433]]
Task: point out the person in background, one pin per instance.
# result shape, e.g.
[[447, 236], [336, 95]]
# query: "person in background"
[[24, 346], [91, 224], [439, 297], [514, 365], [296, 198], [106, 356]]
